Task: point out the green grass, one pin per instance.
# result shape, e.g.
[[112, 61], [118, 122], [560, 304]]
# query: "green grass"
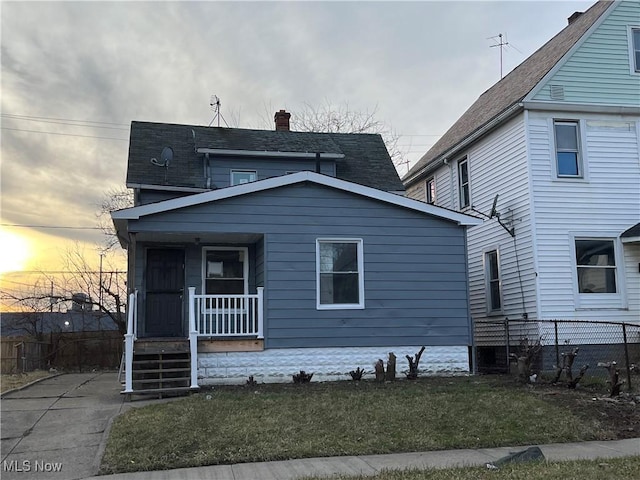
[[618, 468], [276, 422]]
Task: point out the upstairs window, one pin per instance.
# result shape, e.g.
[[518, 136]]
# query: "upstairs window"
[[238, 177], [635, 49], [463, 183], [430, 188], [493, 283], [340, 281], [596, 264], [568, 158]]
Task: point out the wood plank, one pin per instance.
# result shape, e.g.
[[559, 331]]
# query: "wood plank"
[[230, 345]]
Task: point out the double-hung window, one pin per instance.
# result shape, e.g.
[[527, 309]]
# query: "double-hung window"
[[225, 270], [596, 265], [634, 45], [493, 283], [463, 183], [430, 187], [339, 273], [238, 177], [568, 155]]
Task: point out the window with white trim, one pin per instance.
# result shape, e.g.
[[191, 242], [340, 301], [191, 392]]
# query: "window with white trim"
[[238, 177], [635, 49], [339, 273], [225, 270], [430, 190], [492, 280], [596, 265], [567, 145], [463, 183]]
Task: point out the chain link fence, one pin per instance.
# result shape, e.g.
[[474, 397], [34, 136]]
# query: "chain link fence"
[[597, 342]]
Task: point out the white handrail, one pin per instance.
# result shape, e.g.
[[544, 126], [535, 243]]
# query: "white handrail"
[[228, 315], [193, 339]]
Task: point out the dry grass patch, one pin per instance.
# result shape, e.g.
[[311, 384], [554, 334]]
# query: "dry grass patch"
[[9, 381]]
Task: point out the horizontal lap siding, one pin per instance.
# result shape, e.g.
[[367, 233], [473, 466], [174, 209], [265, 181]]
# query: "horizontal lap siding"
[[606, 204], [414, 272], [599, 71]]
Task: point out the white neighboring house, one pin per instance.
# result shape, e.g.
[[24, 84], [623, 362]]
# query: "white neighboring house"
[[557, 141]]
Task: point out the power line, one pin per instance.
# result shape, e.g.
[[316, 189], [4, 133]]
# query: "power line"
[[65, 134], [30, 117], [49, 226], [68, 123]]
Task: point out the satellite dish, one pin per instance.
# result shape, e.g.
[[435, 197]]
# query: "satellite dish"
[[494, 212], [165, 158]]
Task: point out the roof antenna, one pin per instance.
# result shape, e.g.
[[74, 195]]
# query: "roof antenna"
[[215, 106], [500, 44]]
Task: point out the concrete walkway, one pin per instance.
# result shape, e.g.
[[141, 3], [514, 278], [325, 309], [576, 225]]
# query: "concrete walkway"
[[57, 429]]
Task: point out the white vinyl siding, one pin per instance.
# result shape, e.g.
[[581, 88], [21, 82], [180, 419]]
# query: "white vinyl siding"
[[602, 208]]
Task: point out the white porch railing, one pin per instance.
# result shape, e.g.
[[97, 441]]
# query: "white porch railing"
[[223, 316], [129, 339]]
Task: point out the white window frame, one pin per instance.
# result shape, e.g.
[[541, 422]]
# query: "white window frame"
[[233, 172], [429, 196], [599, 301], [633, 67], [360, 257], [582, 163], [245, 265], [487, 271], [461, 186]]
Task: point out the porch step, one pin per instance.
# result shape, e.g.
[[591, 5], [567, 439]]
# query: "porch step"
[[161, 369]]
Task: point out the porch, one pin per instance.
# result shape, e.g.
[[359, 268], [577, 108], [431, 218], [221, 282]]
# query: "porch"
[[151, 365]]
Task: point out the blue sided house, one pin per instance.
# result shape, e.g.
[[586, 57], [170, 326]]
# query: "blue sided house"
[[263, 253]]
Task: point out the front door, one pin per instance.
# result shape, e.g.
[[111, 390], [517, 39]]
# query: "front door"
[[165, 292]]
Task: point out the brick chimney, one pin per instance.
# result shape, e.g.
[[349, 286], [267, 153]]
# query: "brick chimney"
[[574, 17], [282, 120]]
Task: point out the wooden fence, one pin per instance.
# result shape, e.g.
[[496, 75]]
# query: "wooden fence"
[[79, 351]]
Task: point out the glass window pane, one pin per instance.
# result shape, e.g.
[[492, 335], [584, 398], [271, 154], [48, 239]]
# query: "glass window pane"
[[595, 252], [238, 178], [339, 288], [493, 265], [596, 280], [568, 163], [464, 173], [495, 295], [338, 257], [566, 136], [225, 264], [636, 39], [225, 287]]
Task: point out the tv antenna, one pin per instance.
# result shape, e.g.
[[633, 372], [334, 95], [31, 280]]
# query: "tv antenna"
[[502, 42], [215, 106], [495, 214]]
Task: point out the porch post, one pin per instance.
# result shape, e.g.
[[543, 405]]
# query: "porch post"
[[193, 338], [260, 312], [128, 344]]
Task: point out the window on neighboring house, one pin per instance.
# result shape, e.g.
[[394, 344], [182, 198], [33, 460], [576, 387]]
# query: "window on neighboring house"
[[463, 183], [635, 49], [568, 159], [238, 177], [596, 264], [225, 271], [492, 279], [340, 281], [430, 188]]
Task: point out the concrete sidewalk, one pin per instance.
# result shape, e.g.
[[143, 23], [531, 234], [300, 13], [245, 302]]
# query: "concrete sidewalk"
[[372, 464], [57, 429]]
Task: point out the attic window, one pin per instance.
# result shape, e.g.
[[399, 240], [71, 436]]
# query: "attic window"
[[557, 92]]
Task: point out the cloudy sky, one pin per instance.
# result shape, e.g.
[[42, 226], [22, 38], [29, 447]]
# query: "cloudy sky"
[[75, 74]]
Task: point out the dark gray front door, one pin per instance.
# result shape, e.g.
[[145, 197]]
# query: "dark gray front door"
[[165, 292]]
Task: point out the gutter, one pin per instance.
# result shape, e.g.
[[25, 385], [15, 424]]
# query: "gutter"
[[266, 153], [440, 160]]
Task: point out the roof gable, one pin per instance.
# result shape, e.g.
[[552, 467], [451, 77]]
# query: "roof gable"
[[121, 216], [502, 100], [363, 158]]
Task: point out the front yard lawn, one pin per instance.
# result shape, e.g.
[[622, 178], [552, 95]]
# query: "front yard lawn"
[[275, 422]]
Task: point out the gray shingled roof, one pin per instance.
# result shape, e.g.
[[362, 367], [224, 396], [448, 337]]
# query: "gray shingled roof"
[[511, 89], [632, 232], [366, 160]]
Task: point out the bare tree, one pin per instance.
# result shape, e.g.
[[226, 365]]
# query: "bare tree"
[[112, 200]]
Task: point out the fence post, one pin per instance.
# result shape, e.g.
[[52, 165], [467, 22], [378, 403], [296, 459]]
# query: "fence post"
[[506, 332], [555, 325], [626, 354]]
